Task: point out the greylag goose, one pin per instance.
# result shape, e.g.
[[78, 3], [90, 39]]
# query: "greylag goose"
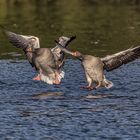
[[47, 61], [94, 67]]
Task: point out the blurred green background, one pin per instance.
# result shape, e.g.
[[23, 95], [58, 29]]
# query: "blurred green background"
[[102, 26]]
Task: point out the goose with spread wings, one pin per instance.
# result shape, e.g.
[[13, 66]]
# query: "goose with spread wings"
[[47, 61], [94, 67]]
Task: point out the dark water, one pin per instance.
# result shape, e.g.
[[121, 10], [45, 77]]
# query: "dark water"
[[31, 110], [34, 110]]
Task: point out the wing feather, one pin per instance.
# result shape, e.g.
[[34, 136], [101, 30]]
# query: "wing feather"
[[58, 53], [22, 41], [114, 61]]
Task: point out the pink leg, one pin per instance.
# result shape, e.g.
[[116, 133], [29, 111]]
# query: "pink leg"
[[57, 82], [99, 85], [37, 78], [88, 87]]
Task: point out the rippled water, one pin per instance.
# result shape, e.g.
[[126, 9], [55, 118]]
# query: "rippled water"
[[34, 110], [31, 110]]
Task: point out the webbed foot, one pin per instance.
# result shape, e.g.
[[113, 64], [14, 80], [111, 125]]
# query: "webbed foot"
[[57, 80], [88, 87], [37, 78]]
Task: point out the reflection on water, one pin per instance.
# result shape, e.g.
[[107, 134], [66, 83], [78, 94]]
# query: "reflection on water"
[[46, 95], [34, 110], [98, 96]]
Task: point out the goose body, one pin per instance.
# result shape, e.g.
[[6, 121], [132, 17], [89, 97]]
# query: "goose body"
[[94, 72], [47, 61], [94, 67]]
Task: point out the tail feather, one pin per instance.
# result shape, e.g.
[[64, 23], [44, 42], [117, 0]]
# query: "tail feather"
[[46, 79], [108, 84], [50, 80]]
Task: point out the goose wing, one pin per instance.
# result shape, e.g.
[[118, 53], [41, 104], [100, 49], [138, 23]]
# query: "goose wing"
[[114, 61], [58, 53], [22, 41], [66, 42], [63, 48]]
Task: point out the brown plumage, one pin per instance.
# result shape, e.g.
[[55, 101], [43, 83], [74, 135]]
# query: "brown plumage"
[[47, 61], [94, 66], [114, 61]]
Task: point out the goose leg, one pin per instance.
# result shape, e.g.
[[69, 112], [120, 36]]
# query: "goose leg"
[[57, 81], [88, 87], [99, 85], [89, 80], [37, 78]]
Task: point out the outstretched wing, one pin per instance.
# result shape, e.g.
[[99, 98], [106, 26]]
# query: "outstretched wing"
[[22, 41], [58, 53], [63, 48], [114, 61], [64, 41]]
